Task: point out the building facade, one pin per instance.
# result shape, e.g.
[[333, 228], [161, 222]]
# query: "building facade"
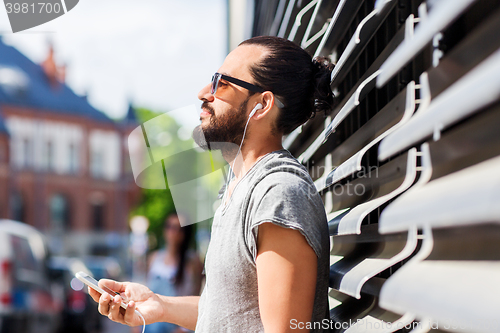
[[63, 164]]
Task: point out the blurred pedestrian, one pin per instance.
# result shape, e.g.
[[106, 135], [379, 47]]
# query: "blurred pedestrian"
[[174, 270]]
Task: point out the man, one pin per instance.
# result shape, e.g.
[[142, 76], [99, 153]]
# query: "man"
[[268, 259]]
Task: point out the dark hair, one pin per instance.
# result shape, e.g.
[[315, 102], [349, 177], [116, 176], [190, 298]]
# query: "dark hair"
[[299, 82], [187, 231]]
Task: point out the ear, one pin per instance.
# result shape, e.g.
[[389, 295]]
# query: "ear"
[[268, 106]]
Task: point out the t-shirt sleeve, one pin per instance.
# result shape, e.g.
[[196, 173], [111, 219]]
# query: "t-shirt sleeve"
[[289, 201]]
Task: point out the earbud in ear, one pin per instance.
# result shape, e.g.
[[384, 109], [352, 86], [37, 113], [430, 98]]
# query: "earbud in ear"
[[257, 107]]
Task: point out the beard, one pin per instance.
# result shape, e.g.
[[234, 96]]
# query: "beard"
[[224, 132]]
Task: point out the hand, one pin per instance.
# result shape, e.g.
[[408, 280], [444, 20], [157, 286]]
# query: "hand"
[[141, 298]]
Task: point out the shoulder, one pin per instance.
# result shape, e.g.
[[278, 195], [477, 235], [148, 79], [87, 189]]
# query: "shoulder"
[[282, 159], [281, 168], [151, 258], [153, 254], [283, 189], [156, 254], [284, 194]]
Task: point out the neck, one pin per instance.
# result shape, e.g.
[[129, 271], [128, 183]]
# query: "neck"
[[250, 153], [172, 250]]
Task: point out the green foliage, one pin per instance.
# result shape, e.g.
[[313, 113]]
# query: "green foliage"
[[144, 114], [157, 204]]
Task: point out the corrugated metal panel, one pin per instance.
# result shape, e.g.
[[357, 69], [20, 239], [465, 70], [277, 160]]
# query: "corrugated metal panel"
[[417, 85]]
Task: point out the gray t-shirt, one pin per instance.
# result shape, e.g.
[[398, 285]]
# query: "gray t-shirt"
[[276, 189]]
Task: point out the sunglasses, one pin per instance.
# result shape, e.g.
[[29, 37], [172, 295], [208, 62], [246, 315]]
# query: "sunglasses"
[[215, 84]]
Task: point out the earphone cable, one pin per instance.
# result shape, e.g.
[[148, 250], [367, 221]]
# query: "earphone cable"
[[143, 321], [239, 149]]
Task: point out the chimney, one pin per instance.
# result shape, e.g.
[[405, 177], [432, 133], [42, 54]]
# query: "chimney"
[[54, 73], [61, 73]]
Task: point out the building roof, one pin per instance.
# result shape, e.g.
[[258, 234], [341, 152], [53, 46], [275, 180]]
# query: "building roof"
[[24, 83], [131, 116]]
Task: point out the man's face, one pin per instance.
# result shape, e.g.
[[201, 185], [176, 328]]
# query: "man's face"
[[228, 127], [224, 116]]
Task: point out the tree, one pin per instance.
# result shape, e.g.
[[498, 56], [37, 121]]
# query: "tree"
[[157, 204]]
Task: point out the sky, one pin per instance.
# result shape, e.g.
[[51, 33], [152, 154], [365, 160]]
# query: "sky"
[[154, 53]]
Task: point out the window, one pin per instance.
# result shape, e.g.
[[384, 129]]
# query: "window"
[[59, 212], [96, 164], [98, 213], [27, 153], [17, 208], [127, 165], [23, 256], [50, 156], [73, 158]]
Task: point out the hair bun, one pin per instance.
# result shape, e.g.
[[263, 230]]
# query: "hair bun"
[[323, 95]]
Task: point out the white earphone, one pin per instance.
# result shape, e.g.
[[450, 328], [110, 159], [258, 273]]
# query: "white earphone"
[[257, 107]]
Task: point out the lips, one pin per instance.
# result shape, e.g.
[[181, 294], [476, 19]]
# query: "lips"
[[205, 114], [206, 110]]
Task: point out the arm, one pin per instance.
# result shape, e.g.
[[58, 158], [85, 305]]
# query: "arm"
[[286, 273], [182, 311]]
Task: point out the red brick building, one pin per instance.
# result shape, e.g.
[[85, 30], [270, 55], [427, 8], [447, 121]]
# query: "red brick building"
[[63, 164]]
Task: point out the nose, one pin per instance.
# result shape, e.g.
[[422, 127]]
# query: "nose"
[[205, 95]]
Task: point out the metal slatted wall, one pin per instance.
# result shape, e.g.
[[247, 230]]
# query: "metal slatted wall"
[[408, 161]]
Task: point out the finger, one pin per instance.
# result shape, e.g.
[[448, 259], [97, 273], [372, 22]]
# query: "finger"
[[113, 285], [104, 303], [94, 294], [114, 310], [130, 315]]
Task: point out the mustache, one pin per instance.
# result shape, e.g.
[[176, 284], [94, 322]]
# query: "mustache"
[[208, 108]]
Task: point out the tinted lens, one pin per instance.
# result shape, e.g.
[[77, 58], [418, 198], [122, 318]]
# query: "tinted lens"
[[215, 82]]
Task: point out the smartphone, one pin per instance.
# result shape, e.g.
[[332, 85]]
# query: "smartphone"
[[92, 283]]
